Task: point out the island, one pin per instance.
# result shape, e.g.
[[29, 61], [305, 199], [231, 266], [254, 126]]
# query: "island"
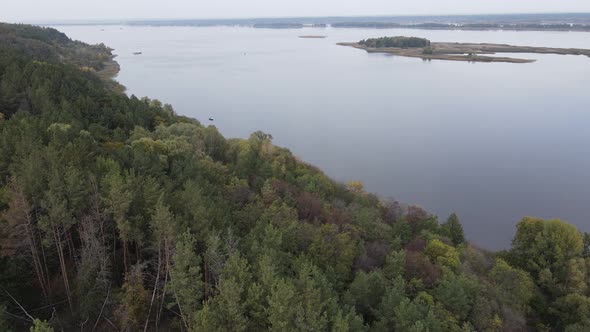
[[313, 37], [473, 52], [278, 25]]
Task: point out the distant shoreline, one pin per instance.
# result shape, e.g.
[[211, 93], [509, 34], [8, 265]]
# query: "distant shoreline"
[[513, 22]]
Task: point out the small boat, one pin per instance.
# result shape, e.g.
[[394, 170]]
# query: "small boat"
[[211, 119], [136, 53]]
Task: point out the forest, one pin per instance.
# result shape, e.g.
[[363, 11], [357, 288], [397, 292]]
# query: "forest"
[[117, 214]]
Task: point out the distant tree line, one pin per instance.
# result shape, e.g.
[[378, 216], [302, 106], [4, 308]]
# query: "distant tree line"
[[399, 41], [377, 25], [468, 26]]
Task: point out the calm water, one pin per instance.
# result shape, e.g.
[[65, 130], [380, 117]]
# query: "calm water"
[[493, 142]]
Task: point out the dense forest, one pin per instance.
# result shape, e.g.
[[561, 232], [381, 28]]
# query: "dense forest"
[[399, 41], [116, 214]]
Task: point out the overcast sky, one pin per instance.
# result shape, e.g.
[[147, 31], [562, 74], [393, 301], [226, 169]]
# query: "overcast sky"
[[56, 10]]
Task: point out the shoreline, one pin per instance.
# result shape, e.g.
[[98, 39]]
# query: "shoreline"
[[109, 73]]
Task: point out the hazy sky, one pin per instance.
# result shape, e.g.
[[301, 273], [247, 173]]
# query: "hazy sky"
[[51, 10]]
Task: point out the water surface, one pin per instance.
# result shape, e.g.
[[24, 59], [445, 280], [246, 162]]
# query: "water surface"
[[491, 141]]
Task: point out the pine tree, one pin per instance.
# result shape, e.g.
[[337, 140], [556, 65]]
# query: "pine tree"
[[453, 229], [185, 284], [132, 310]]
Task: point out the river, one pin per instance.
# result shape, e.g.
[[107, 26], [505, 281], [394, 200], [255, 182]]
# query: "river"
[[493, 142]]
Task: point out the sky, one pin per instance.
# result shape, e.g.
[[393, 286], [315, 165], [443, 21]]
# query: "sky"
[[79, 10]]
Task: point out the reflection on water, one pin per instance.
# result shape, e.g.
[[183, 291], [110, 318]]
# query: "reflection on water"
[[492, 141]]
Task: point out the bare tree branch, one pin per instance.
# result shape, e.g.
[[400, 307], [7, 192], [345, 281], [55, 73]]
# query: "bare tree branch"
[[20, 306]]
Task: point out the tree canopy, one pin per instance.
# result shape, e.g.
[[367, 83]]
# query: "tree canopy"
[[399, 41]]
